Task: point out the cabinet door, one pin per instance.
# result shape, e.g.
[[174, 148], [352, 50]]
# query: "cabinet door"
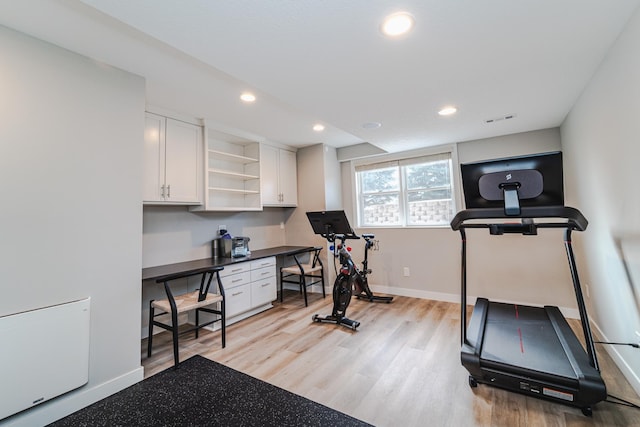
[[153, 178], [183, 148], [237, 300], [269, 175], [264, 291], [288, 178]]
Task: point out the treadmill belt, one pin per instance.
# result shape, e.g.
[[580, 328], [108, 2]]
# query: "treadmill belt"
[[523, 336]]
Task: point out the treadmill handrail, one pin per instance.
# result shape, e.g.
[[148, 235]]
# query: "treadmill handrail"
[[576, 220]]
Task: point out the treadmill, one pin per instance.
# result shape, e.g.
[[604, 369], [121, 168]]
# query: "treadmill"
[[524, 349]]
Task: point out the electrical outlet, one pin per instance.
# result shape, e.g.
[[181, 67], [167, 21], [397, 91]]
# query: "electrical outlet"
[[407, 273], [222, 227], [586, 289]]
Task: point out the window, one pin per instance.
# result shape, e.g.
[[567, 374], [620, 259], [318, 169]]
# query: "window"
[[416, 191]]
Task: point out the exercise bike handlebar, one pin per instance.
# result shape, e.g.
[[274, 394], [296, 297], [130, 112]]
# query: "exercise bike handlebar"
[[331, 237], [347, 236]]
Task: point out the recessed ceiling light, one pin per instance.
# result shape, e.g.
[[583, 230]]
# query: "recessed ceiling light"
[[318, 127], [447, 111], [397, 24], [248, 97]]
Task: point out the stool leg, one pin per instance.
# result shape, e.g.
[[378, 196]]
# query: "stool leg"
[[197, 321], [322, 283], [150, 338], [281, 286], [223, 324], [174, 330], [303, 287]]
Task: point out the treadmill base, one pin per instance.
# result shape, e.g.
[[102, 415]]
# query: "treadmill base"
[[527, 389], [494, 358]]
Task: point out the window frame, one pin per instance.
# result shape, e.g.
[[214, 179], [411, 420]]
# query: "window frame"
[[400, 158]]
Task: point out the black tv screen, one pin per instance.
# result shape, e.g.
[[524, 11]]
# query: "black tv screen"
[[514, 182]]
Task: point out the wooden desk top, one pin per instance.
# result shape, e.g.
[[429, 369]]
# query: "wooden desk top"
[[155, 273]]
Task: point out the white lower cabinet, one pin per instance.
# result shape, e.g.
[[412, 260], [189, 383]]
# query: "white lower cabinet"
[[264, 287], [249, 288], [263, 291]]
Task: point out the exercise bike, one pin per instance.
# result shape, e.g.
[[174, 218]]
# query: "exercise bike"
[[349, 277], [361, 280]]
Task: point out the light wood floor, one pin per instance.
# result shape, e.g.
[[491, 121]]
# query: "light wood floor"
[[401, 368]]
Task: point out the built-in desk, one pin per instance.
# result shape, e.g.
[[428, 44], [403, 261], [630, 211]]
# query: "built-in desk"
[[250, 282], [158, 272]]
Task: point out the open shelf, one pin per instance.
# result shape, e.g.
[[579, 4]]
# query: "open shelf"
[[232, 179], [232, 157], [241, 176], [233, 190]]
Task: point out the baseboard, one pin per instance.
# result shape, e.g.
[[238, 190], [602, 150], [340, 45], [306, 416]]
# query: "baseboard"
[[570, 313], [73, 401], [620, 362]]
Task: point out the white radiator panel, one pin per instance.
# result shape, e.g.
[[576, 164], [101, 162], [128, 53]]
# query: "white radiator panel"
[[44, 353]]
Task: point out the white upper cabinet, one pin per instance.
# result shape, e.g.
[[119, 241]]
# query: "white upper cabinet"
[[279, 176], [172, 161]]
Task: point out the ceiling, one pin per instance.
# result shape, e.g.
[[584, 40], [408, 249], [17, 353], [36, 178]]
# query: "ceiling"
[[326, 61]]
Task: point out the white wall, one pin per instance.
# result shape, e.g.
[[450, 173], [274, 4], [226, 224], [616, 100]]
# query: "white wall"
[[319, 189], [332, 179], [174, 234], [516, 268], [600, 138], [312, 188], [539, 141], [70, 184]]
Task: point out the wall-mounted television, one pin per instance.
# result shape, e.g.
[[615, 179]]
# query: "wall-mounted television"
[[514, 182]]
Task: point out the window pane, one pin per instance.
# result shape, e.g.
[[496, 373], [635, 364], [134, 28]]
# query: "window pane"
[[383, 209], [435, 194], [414, 191], [378, 180], [430, 207], [430, 212], [428, 175]]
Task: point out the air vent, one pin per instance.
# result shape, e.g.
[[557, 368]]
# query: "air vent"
[[497, 119]]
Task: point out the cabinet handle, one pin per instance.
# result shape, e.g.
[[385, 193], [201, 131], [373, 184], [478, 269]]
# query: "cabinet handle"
[[236, 280], [264, 273], [169, 191], [237, 269], [266, 284], [236, 294], [162, 188]]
